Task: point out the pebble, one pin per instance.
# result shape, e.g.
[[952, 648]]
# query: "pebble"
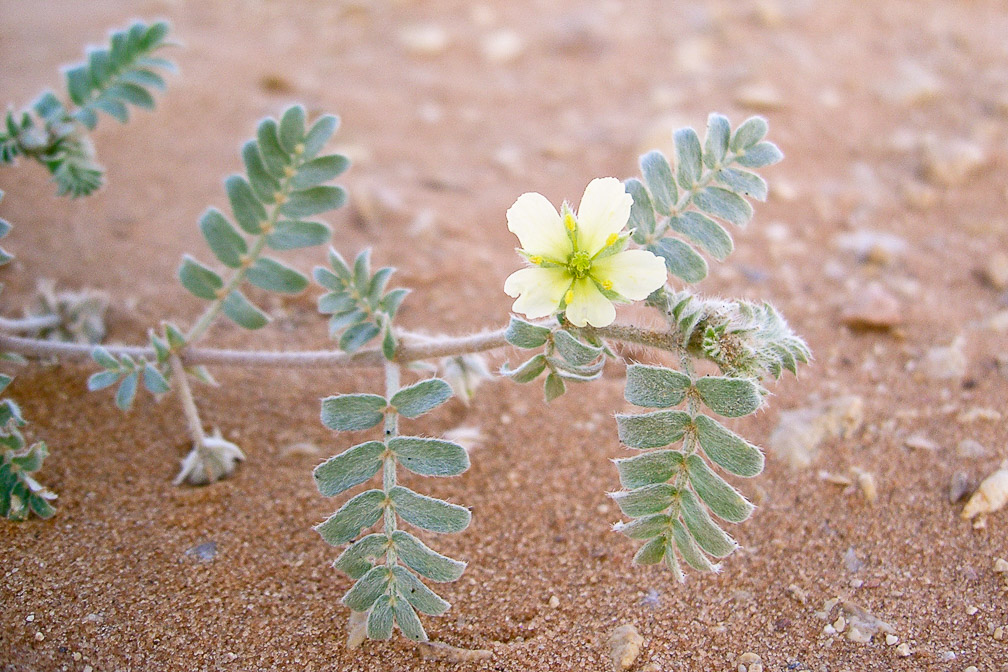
[[749, 662], [903, 650], [759, 97], [999, 633], [39, 637], [876, 247], [204, 552], [800, 432], [952, 163], [866, 481], [872, 308], [424, 39], [554, 602], [945, 362], [918, 195], [891, 639], [914, 85], [799, 594], [995, 271], [920, 442], [971, 668], [851, 561], [948, 656], [971, 449], [1001, 566], [991, 496], [979, 413], [502, 46], [624, 647], [960, 485], [971, 610]]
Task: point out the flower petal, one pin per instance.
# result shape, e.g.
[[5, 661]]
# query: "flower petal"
[[538, 226], [633, 273], [604, 210], [589, 306], [539, 290]]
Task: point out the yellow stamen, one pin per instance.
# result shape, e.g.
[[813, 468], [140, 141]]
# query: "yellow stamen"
[[611, 240], [569, 296], [607, 285], [536, 259], [569, 220]]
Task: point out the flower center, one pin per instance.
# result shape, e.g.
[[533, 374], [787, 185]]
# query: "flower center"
[[579, 264]]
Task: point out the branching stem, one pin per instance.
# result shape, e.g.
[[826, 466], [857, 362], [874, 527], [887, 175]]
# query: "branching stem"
[[413, 348], [27, 325]]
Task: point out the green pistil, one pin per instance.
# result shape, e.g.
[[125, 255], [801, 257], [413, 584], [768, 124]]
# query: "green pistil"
[[579, 264]]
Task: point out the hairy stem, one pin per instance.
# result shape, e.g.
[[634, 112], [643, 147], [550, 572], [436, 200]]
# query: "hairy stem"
[[389, 463], [193, 422], [414, 348], [29, 324]]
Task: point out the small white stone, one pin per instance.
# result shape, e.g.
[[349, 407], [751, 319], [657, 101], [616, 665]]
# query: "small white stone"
[[30, 618], [971, 668], [503, 46], [903, 650], [971, 610], [554, 601], [948, 656], [1001, 566], [424, 40], [999, 633], [891, 639], [840, 624], [39, 637]]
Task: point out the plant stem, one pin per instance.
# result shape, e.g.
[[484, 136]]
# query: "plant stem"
[[193, 422], [389, 461], [29, 324], [421, 348]]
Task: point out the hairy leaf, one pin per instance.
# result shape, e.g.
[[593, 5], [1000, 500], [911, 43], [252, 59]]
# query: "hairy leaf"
[[761, 154], [730, 397], [724, 204], [243, 312], [722, 499], [646, 527], [522, 334], [658, 176], [646, 500], [248, 211], [684, 543], [528, 371], [656, 466], [349, 468], [349, 412], [407, 619], [380, 618], [652, 430], [650, 553], [681, 260], [705, 232], [420, 596], [426, 562], [225, 242], [688, 157], [421, 397], [642, 220], [429, 513], [716, 142], [320, 170], [356, 560], [359, 512], [429, 457], [705, 531], [728, 450], [655, 386], [750, 132], [573, 350], [367, 588], [313, 201], [198, 279], [271, 275]]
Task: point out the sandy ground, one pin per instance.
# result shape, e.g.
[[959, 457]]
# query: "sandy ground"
[[892, 116]]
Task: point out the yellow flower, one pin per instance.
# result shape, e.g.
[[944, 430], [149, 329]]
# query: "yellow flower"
[[579, 264]]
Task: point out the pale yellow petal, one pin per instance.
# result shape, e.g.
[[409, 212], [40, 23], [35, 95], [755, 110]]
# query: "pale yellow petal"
[[604, 211], [538, 226], [589, 306], [539, 290], [633, 274]]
